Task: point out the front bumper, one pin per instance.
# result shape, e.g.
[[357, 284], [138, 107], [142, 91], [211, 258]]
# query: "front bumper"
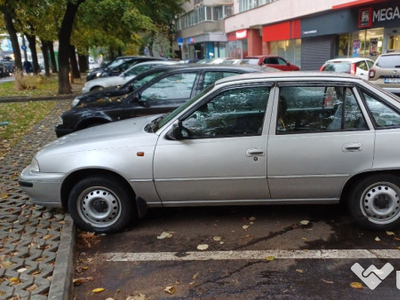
[[43, 188]]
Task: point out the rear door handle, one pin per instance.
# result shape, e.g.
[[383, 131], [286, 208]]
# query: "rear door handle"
[[255, 152], [352, 147]]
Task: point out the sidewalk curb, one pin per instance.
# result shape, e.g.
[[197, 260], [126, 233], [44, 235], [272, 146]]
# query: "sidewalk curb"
[[44, 98], [61, 283]]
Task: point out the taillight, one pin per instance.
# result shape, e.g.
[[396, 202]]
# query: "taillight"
[[353, 69], [371, 73], [322, 68]]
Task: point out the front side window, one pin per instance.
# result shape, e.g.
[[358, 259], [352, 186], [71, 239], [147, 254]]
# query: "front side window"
[[382, 114], [177, 86], [306, 109], [236, 112]]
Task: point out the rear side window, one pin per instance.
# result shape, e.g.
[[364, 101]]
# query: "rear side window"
[[337, 67], [388, 61], [382, 114], [309, 109]]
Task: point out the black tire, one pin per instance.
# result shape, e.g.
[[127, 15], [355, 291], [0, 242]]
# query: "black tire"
[[101, 205], [374, 202]]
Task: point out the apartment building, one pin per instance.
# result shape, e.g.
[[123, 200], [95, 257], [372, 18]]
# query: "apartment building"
[[305, 32]]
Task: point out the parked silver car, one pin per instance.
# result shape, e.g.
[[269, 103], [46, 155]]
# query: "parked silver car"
[[262, 138]]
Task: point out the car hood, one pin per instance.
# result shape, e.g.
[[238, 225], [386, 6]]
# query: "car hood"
[[126, 133]]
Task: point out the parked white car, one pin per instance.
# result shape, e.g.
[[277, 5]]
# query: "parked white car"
[[358, 66], [104, 82]]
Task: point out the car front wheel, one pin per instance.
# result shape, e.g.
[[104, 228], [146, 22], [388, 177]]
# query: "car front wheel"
[[101, 205], [374, 202]]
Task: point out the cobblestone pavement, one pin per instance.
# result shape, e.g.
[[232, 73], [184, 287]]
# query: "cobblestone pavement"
[[30, 235]]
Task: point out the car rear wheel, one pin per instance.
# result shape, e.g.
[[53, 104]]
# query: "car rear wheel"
[[375, 202], [101, 204]]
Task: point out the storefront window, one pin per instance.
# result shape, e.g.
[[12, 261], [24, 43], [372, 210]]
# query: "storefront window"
[[363, 43], [289, 50]]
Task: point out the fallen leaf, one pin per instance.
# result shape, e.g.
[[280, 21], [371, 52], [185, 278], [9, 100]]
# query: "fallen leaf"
[[327, 281], [165, 234], [32, 288], [170, 289], [195, 275], [252, 218], [217, 238], [299, 270], [22, 270], [356, 285], [98, 290], [47, 236], [304, 239], [269, 258], [202, 247], [304, 222], [14, 280], [245, 227], [377, 239], [389, 232]]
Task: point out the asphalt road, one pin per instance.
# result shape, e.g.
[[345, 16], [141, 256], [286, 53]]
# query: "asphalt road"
[[262, 252]]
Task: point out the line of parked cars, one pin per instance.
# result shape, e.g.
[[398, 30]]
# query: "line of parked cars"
[[226, 134]]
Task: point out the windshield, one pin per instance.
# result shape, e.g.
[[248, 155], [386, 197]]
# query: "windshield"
[[160, 122], [341, 67], [388, 61]]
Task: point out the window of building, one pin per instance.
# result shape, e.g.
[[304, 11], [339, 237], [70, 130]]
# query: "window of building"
[[250, 4], [203, 14], [363, 43]]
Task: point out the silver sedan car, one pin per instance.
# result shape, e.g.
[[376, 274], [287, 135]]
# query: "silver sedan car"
[[254, 139]]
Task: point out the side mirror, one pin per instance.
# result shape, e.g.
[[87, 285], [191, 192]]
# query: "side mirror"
[[176, 132], [288, 63]]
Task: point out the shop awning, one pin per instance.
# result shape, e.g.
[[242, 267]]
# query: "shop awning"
[[356, 3]]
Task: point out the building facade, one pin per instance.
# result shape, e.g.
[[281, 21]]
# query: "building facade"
[[200, 30], [307, 33]]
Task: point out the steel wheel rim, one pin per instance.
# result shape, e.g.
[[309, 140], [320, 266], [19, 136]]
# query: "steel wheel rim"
[[380, 203], [99, 206]]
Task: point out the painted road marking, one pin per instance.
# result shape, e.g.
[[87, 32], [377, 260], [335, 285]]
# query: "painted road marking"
[[254, 255]]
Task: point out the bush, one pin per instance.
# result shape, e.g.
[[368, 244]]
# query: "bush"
[[26, 82]]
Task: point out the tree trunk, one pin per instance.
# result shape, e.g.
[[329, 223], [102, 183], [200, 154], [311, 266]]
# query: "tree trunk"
[[32, 45], [52, 57], [13, 38], [64, 36], [83, 62], [74, 63], [45, 51]]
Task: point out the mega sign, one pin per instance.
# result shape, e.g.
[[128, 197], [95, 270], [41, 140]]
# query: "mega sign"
[[368, 16]]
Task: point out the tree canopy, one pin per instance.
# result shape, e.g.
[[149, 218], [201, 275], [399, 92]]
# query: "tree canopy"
[[119, 26]]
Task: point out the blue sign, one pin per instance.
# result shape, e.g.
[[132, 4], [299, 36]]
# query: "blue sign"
[[23, 47]]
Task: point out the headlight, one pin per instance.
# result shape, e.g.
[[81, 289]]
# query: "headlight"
[[34, 166], [75, 102], [60, 121], [98, 74]]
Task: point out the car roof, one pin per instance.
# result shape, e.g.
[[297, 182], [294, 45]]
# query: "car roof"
[[348, 59], [211, 67], [261, 56], [295, 75]]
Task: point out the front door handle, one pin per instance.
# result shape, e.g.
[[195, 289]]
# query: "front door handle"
[[255, 152], [352, 147]]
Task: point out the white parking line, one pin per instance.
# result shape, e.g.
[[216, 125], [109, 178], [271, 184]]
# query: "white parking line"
[[254, 255]]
